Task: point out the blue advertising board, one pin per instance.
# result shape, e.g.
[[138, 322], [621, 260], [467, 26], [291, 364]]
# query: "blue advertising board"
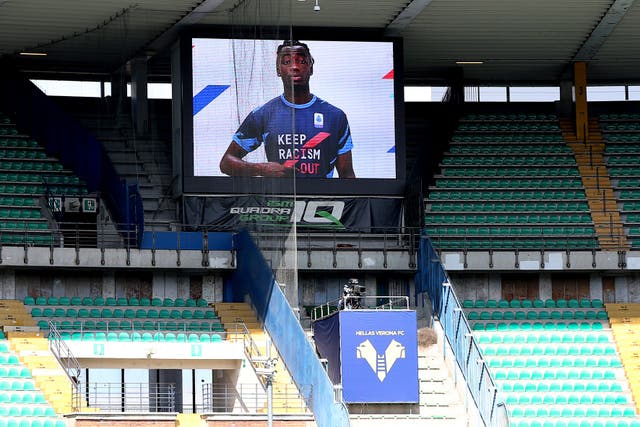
[[379, 356]]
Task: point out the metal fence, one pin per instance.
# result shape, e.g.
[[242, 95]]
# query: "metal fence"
[[126, 397], [252, 398]]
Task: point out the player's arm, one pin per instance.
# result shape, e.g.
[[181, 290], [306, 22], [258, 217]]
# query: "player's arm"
[[344, 165], [233, 164]]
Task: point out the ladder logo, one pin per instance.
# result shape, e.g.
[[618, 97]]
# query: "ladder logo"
[[381, 364]]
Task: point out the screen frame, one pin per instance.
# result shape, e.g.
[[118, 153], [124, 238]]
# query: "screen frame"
[[216, 185]]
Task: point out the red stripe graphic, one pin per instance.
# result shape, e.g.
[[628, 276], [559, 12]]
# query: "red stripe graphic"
[[320, 136]]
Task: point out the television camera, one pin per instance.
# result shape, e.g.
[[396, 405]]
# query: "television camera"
[[352, 295]]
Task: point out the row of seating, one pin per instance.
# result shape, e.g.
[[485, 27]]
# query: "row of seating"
[[126, 325], [510, 207], [544, 362], [534, 116], [630, 160], [40, 189], [566, 411], [474, 230], [525, 422], [628, 148], [484, 117], [619, 116], [23, 225], [541, 161], [509, 138], [514, 219], [35, 422], [112, 301], [534, 303], [43, 410], [618, 171], [513, 171], [509, 149], [14, 372], [506, 195], [119, 313], [513, 183], [21, 397], [555, 349], [621, 137], [28, 239], [22, 165], [578, 385], [22, 154], [542, 338], [537, 326], [6, 385], [537, 314], [508, 127], [621, 127], [141, 337], [18, 143], [458, 243]]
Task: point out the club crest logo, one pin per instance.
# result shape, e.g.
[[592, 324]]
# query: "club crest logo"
[[318, 120], [381, 364]]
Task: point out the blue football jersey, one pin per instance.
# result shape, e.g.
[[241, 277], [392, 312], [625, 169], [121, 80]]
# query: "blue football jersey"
[[310, 136]]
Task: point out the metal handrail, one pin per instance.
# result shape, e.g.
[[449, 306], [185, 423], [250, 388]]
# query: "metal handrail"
[[394, 302], [64, 355], [252, 398], [126, 397]]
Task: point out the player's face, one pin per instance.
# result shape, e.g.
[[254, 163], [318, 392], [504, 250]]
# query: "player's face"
[[294, 66]]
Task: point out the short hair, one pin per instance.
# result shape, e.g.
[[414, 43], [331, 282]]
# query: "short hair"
[[291, 43]]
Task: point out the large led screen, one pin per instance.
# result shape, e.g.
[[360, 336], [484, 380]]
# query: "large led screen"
[[323, 111]]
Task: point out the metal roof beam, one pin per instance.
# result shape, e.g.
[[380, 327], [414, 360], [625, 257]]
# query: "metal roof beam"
[[406, 17], [193, 17], [603, 30]]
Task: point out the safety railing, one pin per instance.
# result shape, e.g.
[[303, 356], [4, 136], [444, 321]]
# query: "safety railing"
[[126, 397], [252, 398], [64, 355], [355, 302], [433, 279]]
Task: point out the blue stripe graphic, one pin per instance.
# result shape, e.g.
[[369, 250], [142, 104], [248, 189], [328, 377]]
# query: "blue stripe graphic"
[[206, 96]]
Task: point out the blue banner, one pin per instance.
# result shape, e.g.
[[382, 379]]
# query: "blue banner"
[[379, 354]]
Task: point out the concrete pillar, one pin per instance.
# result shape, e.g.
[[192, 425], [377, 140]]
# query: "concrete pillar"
[[495, 286], [139, 96], [183, 286], [164, 285], [566, 99], [118, 90], [595, 286], [212, 287], [545, 291], [108, 284], [8, 284]]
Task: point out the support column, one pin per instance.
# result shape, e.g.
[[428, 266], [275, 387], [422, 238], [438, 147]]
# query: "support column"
[[580, 95], [139, 96], [212, 288], [108, 284], [8, 284], [566, 98]]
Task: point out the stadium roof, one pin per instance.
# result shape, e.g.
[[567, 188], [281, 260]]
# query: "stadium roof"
[[517, 40]]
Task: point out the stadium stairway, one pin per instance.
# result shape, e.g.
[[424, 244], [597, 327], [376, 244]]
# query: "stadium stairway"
[[625, 324], [440, 403], [597, 184], [33, 351], [286, 397]]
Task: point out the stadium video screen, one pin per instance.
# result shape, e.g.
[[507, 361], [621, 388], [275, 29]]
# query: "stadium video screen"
[[324, 111]]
